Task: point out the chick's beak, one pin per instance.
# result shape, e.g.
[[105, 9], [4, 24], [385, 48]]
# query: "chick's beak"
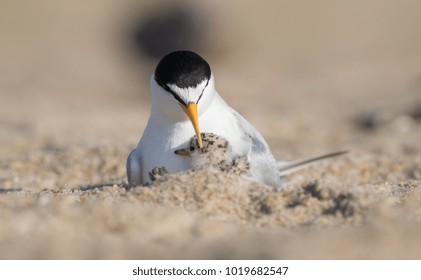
[[191, 112]]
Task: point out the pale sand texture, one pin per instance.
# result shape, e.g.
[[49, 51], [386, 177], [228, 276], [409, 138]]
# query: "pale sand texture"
[[313, 78]]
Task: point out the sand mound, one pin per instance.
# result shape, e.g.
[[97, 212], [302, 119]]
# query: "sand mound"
[[318, 214]]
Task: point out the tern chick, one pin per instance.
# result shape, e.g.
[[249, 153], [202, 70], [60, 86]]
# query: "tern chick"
[[216, 154]]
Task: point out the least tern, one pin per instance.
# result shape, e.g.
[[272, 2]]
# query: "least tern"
[[184, 103]]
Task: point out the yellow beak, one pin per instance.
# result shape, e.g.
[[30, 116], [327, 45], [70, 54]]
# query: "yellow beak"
[[191, 112]]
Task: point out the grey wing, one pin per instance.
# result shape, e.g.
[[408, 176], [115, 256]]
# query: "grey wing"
[[264, 167], [134, 169], [258, 143]]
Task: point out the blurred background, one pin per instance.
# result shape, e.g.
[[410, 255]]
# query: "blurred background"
[[305, 72]]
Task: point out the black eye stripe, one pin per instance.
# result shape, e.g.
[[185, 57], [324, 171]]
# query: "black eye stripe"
[[200, 96], [177, 97], [168, 89]]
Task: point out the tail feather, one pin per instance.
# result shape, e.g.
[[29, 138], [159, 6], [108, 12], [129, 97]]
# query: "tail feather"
[[293, 166]]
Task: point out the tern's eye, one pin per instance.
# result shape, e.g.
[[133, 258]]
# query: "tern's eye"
[[191, 148]]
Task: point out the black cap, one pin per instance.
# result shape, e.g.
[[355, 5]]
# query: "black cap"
[[182, 68]]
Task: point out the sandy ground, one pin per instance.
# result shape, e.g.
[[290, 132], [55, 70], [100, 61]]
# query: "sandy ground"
[[313, 78]]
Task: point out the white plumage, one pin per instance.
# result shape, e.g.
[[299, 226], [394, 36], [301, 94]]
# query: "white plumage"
[[169, 128], [186, 103]]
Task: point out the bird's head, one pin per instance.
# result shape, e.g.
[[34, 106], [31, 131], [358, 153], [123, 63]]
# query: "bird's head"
[[183, 78]]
